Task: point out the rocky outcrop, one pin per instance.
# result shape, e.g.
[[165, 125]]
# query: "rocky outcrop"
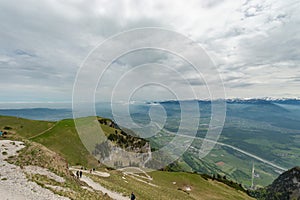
[[286, 186]]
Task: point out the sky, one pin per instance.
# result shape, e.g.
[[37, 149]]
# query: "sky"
[[254, 46]]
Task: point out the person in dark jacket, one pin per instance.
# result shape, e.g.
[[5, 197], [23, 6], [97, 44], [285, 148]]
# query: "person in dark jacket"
[[132, 197], [80, 174]]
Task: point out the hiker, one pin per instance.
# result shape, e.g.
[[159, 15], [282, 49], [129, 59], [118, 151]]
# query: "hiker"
[[132, 196], [80, 174], [77, 174]]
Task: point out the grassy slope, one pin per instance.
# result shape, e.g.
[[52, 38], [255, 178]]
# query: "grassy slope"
[[24, 127], [60, 137], [63, 139], [201, 188], [165, 190]]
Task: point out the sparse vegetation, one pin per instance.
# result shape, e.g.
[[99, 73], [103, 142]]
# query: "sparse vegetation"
[[38, 155]]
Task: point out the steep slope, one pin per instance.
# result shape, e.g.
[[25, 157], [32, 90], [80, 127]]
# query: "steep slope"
[[286, 186]]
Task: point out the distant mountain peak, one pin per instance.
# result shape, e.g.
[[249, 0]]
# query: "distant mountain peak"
[[285, 100]]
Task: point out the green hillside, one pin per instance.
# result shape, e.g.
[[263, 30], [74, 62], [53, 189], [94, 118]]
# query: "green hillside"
[[24, 127], [61, 137]]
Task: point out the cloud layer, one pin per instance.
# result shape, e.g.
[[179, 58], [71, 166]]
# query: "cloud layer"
[[254, 44]]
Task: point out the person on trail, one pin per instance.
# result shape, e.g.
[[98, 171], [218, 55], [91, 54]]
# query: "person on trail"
[[80, 174], [132, 197], [77, 174]]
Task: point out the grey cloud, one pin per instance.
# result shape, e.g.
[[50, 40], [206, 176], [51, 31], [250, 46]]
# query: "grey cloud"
[[44, 43], [241, 85], [196, 82], [21, 52], [211, 3]]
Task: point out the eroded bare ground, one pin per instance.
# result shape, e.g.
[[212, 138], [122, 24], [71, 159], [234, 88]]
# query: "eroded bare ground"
[[13, 182]]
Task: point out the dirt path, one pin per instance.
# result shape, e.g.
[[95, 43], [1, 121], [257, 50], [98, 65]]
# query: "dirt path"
[[98, 173], [41, 133], [97, 186]]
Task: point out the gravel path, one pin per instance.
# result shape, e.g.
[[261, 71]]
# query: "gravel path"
[[98, 173], [97, 186], [13, 182]]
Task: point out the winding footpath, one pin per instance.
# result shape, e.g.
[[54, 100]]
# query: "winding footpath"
[[97, 186], [41, 133]]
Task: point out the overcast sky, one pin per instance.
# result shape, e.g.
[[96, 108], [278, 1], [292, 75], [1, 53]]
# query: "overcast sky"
[[254, 45]]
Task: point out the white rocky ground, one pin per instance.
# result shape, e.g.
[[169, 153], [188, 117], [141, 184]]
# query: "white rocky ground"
[[43, 171], [96, 186], [13, 182]]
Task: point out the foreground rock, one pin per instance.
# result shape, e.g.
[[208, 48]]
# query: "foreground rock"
[[13, 182]]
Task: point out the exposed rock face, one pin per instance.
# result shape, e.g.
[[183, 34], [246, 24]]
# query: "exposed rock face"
[[122, 149], [286, 186], [118, 157]]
